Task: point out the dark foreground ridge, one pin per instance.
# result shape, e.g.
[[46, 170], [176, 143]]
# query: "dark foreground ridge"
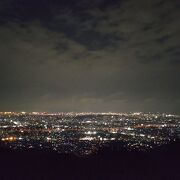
[[160, 163]]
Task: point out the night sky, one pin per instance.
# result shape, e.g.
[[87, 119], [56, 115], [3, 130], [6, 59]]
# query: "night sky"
[[90, 55]]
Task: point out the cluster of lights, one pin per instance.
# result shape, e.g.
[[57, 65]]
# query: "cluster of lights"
[[86, 130], [9, 139]]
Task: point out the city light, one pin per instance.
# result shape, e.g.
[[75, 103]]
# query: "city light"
[[80, 133]]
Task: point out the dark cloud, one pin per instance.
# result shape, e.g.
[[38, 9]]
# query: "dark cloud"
[[90, 55]]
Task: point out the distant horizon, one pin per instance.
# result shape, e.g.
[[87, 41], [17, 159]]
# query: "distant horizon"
[[94, 112]]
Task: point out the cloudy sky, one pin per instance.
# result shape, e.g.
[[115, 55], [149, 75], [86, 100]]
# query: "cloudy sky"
[[90, 55]]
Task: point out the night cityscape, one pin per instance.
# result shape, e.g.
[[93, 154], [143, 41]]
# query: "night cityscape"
[[85, 133], [89, 89]]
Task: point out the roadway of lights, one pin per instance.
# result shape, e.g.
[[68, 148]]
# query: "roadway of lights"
[[85, 133]]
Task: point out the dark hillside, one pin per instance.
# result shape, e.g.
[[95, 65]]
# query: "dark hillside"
[[161, 163]]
